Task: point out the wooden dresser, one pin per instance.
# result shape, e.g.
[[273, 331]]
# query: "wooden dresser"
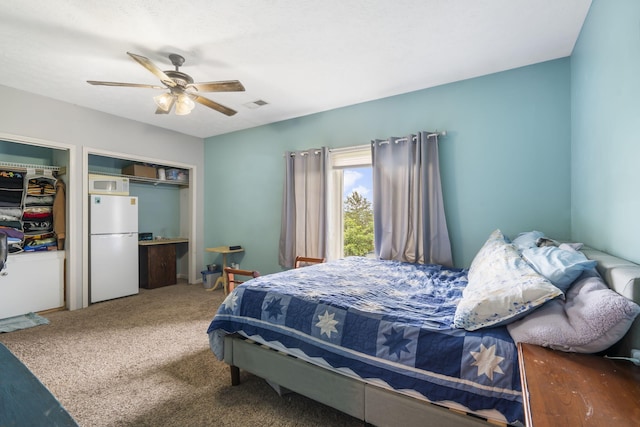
[[570, 389]]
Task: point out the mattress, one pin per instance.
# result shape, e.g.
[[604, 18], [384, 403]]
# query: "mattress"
[[384, 322]]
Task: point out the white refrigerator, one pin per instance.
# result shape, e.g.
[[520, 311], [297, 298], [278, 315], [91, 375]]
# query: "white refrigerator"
[[113, 250]]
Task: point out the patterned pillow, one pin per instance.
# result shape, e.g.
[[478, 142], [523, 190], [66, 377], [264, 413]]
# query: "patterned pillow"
[[502, 287]]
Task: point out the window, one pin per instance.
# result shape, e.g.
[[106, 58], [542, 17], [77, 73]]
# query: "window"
[[350, 202]]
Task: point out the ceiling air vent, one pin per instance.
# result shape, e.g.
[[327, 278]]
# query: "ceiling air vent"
[[256, 104]]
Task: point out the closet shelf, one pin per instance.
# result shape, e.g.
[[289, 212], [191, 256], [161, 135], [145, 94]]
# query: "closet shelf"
[[24, 167], [142, 179]]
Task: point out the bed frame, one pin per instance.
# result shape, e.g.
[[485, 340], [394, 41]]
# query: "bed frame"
[[382, 407]]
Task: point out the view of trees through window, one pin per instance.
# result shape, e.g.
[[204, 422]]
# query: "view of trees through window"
[[358, 212]]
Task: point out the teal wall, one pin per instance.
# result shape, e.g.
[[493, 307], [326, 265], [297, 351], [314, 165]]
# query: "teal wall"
[[605, 94], [158, 209], [504, 161], [22, 153]]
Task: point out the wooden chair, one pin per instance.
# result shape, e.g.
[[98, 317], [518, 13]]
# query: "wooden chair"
[[302, 261], [230, 280]]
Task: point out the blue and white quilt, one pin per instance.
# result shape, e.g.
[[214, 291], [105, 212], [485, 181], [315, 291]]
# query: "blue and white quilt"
[[385, 322]]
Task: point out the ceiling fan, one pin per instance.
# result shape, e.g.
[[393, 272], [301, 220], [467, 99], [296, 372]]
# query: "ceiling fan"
[[182, 89]]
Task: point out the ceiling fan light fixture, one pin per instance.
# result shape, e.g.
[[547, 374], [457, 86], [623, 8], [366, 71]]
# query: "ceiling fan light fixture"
[[184, 105], [182, 109], [165, 101], [179, 85]]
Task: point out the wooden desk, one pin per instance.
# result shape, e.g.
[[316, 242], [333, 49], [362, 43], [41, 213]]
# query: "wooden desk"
[[570, 389], [224, 250], [157, 262]]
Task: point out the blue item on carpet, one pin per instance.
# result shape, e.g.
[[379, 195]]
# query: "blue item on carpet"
[[24, 400], [24, 321]]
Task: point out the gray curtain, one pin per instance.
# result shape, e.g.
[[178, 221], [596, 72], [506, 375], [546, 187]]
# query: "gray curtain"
[[408, 211], [303, 230]]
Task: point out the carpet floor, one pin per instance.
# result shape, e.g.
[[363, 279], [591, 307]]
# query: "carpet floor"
[[144, 360]]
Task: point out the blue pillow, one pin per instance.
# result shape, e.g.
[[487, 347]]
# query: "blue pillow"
[[560, 266], [527, 239]]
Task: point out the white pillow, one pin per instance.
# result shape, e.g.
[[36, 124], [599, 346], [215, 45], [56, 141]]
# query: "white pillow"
[[502, 287], [591, 319]]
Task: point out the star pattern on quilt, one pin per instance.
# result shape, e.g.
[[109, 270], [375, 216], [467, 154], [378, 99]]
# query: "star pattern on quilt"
[[487, 361], [274, 308], [396, 342], [231, 302], [327, 324]]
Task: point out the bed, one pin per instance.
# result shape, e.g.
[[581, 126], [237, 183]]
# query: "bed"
[[395, 343]]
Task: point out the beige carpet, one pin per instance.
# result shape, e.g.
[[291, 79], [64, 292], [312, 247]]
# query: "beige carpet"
[[144, 360]]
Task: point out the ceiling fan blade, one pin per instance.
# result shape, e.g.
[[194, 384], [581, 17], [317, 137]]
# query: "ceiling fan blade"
[[211, 104], [161, 111], [221, 86], [98, 83], [146, 63]]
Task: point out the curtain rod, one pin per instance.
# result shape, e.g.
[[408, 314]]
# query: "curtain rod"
[[429, 135], [305, 153], [436, 133]]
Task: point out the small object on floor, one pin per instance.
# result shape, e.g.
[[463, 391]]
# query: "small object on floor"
[[24, 321]]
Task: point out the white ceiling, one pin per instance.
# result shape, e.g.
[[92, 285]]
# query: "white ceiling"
[[300, 56]]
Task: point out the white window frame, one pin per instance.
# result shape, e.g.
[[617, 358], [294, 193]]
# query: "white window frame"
[[341, 159]]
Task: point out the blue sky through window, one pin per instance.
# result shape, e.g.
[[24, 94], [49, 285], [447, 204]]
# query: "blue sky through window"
[[358, 179]]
